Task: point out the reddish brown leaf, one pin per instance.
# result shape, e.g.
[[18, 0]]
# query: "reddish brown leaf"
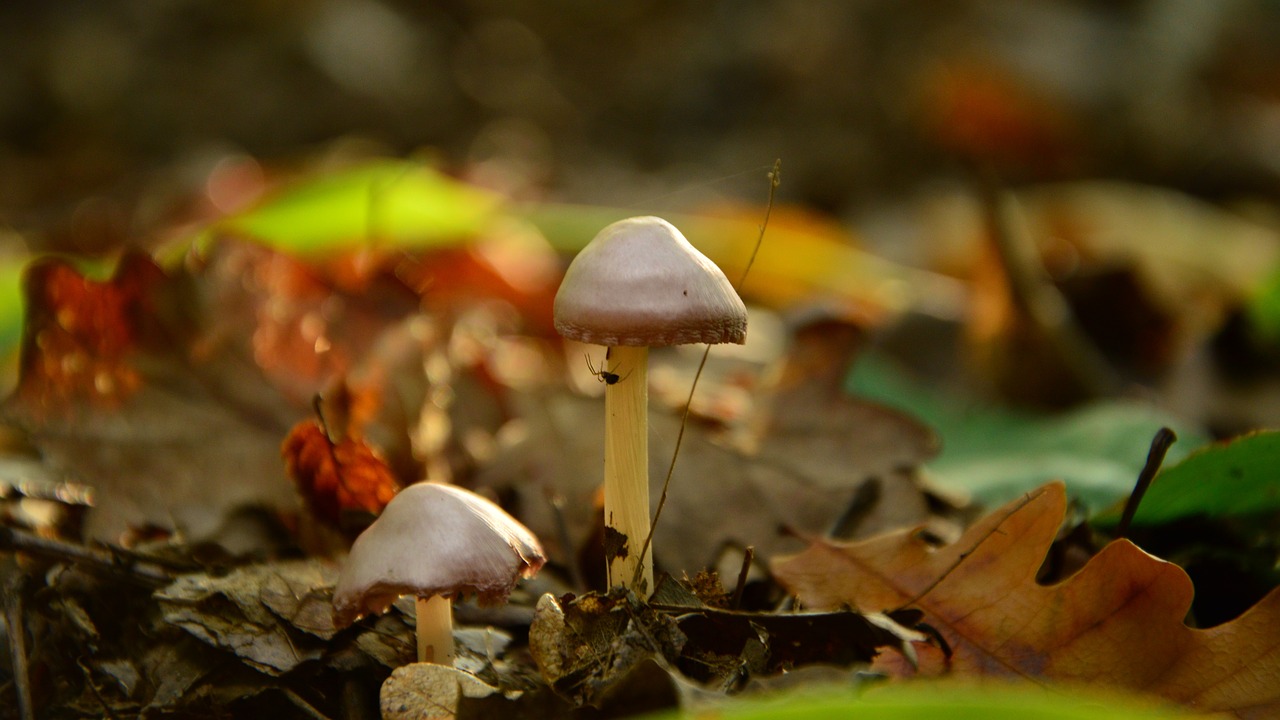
[[336, 479], [78, 332], [112, 397], [454, 279], [301, 324], [1119, 621]]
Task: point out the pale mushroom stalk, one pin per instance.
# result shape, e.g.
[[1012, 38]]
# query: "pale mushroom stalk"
[[435, 630], [626, 466]]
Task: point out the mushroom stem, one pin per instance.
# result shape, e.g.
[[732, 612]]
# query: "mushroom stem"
[[435, 630], [626, 469]]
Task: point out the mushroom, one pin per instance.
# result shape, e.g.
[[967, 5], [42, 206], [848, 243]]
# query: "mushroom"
[[639, 284], [435, 542]]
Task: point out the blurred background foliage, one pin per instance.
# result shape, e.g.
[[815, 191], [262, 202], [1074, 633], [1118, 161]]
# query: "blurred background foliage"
[[866, 101], [134, 123]]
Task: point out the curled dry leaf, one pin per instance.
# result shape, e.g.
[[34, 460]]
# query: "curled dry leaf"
[[273, 616], [1118, 621], [338, 479]]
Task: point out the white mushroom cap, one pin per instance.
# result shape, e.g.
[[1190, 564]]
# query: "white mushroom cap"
[[435, 539], [641, 283]]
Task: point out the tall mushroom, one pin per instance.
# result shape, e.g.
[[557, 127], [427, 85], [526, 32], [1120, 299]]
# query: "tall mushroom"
[[435, 542], [639, 284]]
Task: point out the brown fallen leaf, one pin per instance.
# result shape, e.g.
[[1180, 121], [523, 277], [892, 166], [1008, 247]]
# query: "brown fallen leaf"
[[299, 324], [1118, 621], [110, 398], [274, 617], [337, 480], [817, 453]]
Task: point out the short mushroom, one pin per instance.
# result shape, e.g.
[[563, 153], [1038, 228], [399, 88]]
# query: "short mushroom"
[[435, 542], [639, 284]]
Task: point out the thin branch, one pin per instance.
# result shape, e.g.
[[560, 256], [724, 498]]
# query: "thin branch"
[[14, 580], [1037, 297], [775, 178], [145, 571]]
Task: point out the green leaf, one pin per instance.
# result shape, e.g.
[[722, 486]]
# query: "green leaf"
[[11, 302], [1263, 310], [399, 203], [913, 701], [997, 454], [1234, 479]]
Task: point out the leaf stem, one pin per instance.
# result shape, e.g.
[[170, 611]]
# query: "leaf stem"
[[1155, 458]]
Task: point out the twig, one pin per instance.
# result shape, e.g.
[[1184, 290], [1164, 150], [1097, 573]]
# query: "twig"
[[144, 571], [775, 178], [299, 702], [87, 672], [13, 582], [748, 556], [1155, 458], [1036, 295]]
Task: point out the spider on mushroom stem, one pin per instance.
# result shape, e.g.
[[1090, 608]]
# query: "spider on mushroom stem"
[[604, 376]]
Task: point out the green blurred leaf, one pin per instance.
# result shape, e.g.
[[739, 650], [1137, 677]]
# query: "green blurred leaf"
[[1234, 479], [399, 203], [912, 701], [1263, 310], [997, 454], [11, 302]]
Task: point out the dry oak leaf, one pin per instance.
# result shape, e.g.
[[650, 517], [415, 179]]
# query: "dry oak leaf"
[[1117, 622]]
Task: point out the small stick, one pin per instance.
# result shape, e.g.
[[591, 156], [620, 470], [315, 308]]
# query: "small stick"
[[307, 708], [1037, 296], [144, 571], [775, 179], [13, 613], [1155, 458], [748, 556]]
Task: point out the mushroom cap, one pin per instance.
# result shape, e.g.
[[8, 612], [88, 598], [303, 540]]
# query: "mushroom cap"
[[435, 539], [639, 282]]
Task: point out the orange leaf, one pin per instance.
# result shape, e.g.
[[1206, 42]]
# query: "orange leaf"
[[78, 333], [336, 479], [1119, 621]]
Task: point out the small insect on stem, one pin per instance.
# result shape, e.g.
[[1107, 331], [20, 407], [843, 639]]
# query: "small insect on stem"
[[603, 375]]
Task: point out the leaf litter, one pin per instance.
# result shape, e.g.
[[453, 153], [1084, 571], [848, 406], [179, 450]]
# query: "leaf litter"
[[253, 633]]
